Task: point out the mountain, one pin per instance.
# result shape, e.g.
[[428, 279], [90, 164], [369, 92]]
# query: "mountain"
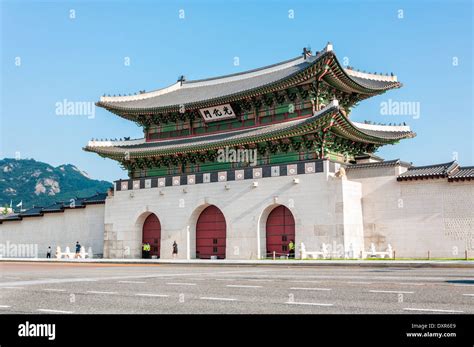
[[40, 184]]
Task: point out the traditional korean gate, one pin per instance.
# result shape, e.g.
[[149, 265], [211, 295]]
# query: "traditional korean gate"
[[152, 234], [280, 230], [210, 234]]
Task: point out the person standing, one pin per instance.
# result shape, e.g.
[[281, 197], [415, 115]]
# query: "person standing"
[[291, 247], [144, 251], [148, 250], [78, 250], [48, 253], [175, 250]]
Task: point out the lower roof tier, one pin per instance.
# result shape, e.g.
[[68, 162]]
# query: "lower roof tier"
[[331, 119]]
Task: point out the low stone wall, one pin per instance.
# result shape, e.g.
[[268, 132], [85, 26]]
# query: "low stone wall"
[[31, 236]]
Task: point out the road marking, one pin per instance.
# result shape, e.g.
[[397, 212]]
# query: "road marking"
[[432, 310], [99, 292], [463, 285], [13, 287], [242, 286], [53, 311], [301, 288], [411, 284], [4, 306], [468, 294], [225, 279], [153, 295], [54, 290], [390, 291], [305, 281], [307, 303], [359, 282], [216, 299], [180, 284], [140, 282], [257, 280]]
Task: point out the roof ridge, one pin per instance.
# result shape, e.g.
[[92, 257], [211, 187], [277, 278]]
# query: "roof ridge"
[[448, 164], [246, 71]]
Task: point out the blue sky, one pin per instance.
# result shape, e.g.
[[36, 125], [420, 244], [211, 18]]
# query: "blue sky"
[[81, 58]]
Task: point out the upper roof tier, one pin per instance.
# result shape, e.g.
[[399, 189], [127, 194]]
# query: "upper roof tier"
[[208, 92]]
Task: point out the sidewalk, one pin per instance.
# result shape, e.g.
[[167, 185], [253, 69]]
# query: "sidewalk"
[[200, 262]]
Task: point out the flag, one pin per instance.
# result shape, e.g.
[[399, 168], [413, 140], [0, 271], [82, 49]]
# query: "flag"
[[20, 204], [11, 202]]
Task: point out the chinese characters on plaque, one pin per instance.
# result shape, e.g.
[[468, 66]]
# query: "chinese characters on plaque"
[[216, 113]]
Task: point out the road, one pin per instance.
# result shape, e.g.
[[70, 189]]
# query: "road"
[[29, 288]]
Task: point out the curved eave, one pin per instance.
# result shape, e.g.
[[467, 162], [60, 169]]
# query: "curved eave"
[[341, 126], [336, 76]]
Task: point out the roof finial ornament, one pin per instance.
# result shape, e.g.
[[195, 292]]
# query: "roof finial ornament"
[[329, 46], [307, 52]]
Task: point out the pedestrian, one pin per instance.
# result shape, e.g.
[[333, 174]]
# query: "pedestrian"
[[291, 247], [144, 251], [175, 250], [48, 253], [148, 250], [78, 250]]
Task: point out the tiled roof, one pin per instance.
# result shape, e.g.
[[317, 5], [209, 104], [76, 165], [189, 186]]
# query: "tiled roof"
[[98, 198], [464, 173], [189, 144], [429, 171], [191, 93], [394, 162]]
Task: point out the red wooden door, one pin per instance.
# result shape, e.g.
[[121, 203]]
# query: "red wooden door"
[[210, 234], [280, 230], [152, 234]]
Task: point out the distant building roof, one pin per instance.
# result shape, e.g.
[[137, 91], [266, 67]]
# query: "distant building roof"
[[394, 162], [429, 171], [98, 198]]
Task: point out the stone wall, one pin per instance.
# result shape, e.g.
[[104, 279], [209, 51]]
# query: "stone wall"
[[418, 216], [85, 225], [317, 203]]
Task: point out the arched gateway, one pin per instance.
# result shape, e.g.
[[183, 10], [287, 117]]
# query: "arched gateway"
[[152, 234], [211, 234], [280, 230]]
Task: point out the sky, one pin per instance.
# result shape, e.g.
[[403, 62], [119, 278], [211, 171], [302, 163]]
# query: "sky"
[[53, 51]]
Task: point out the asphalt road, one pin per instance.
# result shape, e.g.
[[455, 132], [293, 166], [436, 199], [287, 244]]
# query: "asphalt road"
[[114, 288]]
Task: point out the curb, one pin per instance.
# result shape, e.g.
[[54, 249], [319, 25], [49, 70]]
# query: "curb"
[[296, 263]]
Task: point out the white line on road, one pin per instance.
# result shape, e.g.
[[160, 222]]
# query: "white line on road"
[[216, 299], [360, 282], [307, 303], [138, 282], [153, 295], [301, 288], [225, 279], [180, 284], [468, 294], [432, 310], [4, 306], [242, 286], [54, 290], [257, 280], [305, 281], [391, 291], [99, 292], [13, 287], [53, 311]]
